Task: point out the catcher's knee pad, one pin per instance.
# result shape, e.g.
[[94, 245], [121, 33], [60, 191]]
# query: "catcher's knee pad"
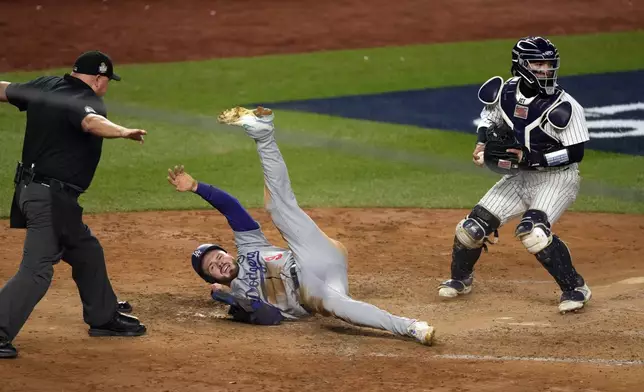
[[475, 229], [534, 231]]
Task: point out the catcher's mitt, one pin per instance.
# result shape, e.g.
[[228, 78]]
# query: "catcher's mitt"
[[499, 140]]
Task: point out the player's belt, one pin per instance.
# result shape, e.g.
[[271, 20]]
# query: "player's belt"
[[552, 169], [296, 281], [301, 299]]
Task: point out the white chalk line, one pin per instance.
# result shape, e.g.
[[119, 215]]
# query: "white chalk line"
[[630, 281], [519, 281], [510, 358], [599, 361], [511, 281]]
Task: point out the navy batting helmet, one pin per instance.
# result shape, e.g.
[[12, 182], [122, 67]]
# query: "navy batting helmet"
[[197, 259], [536, 49]]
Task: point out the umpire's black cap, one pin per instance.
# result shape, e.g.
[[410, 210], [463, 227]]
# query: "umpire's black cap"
[[95, 63]]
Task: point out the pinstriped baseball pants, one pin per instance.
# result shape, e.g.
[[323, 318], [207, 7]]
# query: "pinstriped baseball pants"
[[550, 191]]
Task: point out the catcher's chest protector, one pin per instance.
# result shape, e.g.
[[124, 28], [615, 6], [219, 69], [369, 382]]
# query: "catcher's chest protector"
[[528, 116]]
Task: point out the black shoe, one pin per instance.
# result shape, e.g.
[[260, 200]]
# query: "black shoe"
[[7, 350], [120, 325], [124, 307]]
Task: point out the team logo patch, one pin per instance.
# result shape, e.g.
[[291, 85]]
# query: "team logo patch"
[[102, 68], [521, 111], [503, 164], [272, 256], [90, 109]]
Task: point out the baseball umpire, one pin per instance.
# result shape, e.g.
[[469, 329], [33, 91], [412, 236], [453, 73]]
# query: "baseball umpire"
[[266, 284], [66, 124], [533, 132]]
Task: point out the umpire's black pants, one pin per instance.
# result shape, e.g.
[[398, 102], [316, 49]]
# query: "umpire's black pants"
[[55, 231]]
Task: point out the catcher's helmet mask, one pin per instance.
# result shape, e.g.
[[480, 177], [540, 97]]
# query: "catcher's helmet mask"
[[533, 49]]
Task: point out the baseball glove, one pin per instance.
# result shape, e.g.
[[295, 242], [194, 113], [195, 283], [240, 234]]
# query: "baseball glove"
[[496, 157]]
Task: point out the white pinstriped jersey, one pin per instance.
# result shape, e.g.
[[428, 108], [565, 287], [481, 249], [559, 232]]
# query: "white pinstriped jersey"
[[551, 190], [576, 132]]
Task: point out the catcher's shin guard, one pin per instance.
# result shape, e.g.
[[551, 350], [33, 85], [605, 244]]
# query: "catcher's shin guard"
[[557, 261], [472, 233], [463, 260]]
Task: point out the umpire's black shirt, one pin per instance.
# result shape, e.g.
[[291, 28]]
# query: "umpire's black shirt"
[[54, 139]]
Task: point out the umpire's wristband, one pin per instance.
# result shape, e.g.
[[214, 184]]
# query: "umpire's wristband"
[[481, 135]]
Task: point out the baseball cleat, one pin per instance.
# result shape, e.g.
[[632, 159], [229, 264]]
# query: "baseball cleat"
[[572, 301], [258, 122], [452, 288], [422, 332], [7, 350]]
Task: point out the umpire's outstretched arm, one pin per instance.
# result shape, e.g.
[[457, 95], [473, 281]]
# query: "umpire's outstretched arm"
[[3, 88], [102, 127]]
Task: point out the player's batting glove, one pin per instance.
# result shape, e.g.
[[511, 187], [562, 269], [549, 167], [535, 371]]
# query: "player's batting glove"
[[249, 310], [255, 312], [221, 296]]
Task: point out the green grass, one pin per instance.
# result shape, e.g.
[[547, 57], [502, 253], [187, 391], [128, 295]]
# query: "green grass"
[[380, 165], [209, 86]]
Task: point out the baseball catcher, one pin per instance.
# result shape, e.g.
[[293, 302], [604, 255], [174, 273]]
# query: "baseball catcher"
[[533, 133], [266, 284]]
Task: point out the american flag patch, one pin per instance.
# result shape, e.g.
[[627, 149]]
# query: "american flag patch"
[[503, 164], [521, 111]]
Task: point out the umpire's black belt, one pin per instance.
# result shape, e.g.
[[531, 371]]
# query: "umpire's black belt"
[[27, 176]]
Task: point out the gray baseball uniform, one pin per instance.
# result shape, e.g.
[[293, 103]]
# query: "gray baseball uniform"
[[309, 277]]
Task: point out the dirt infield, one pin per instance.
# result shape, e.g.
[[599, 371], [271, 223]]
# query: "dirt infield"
[[512, 313], [506, 336], [48, 33]]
